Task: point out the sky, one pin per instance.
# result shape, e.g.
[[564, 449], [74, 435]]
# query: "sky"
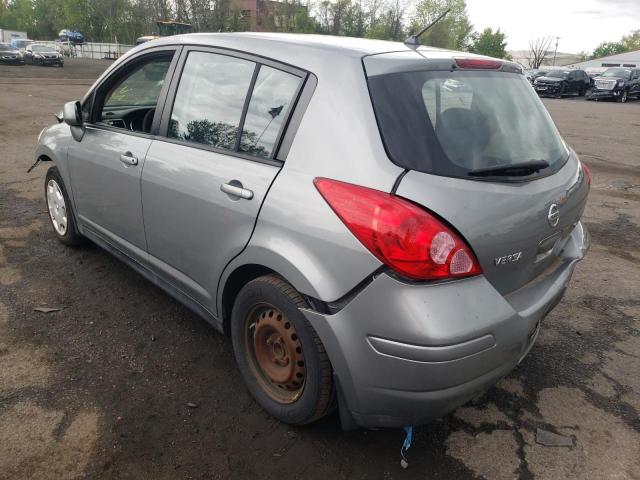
[[581, 24]]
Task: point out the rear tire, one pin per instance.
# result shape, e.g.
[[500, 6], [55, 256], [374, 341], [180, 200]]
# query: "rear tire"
[[61, 213], [280, 356]]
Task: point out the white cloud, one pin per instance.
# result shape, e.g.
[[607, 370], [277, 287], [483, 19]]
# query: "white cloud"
[[580, 24]]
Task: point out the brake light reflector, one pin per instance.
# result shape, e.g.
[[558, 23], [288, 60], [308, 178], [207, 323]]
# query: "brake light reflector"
[[478, 63], [399, 233]]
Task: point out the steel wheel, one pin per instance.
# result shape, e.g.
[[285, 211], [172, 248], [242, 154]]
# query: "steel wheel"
[[274, 353], [57, 207]]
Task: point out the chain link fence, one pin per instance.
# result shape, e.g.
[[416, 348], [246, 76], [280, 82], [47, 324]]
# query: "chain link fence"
[[108, 51]]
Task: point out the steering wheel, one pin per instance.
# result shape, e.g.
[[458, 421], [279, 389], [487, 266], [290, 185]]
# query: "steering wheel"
[[148, 120]]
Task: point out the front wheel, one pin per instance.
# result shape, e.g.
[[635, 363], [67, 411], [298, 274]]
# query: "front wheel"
[[60, 210], [280, 356], [623, 97]]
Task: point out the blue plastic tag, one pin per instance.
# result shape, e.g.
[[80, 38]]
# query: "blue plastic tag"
[[408, 438]]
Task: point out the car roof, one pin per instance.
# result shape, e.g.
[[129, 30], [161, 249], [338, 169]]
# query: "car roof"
[[326, 43], [303, 50]]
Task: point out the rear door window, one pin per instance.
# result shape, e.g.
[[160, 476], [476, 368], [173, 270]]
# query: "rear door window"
[[210, 99], [218, 94], [452, 123]]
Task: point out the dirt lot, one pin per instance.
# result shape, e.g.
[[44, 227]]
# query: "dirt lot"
[[100, 389]]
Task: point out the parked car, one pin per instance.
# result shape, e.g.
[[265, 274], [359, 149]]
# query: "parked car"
[[71, 36], [533, 74], [370, 239], [40, 54], [620, 84], [10, 55], [563, 82], [21, 43]]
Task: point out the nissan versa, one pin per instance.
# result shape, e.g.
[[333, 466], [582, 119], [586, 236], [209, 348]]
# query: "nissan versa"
[[378, 227]]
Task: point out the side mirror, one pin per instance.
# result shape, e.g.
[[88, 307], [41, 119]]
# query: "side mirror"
[[72, 114]]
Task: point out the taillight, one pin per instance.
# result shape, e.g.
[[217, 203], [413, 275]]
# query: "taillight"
[[401, 234], [587, 173], [478, 63]]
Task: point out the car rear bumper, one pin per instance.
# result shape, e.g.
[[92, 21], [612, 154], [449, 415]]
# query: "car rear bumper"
[[404, 354]]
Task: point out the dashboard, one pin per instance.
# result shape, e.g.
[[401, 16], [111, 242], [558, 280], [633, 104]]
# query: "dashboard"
[[130, 118]]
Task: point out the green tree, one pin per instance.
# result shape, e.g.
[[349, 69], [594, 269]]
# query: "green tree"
[[453, 31], [627, 43], [490, 43], [608, 48]]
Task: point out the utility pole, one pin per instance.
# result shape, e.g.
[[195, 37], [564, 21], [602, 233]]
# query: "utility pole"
[[555, 51]]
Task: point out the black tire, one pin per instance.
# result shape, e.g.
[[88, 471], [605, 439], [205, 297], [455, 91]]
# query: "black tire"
[[315, 399], [624, 97], [71, 235]]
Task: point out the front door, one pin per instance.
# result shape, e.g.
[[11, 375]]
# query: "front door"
[[202, 186], [107, 163]]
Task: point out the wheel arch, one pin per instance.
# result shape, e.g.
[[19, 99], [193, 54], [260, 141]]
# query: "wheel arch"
[[234, 282], [237, 275]]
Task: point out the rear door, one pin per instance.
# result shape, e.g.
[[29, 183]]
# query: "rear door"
[[205, 180], [454, 131]]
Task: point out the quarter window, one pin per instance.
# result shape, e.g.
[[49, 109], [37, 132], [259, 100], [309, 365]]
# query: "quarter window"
[[271, 99], [210, 99]]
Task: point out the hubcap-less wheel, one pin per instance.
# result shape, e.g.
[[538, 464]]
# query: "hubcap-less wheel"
[[274, 353], [57, 207]]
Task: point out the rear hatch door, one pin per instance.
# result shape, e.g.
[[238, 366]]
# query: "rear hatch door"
[[481, 152], [507, 225]]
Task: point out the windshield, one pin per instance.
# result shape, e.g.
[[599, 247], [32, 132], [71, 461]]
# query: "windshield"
[[617, 72], [451, 123], [558, 74], [42, 48]]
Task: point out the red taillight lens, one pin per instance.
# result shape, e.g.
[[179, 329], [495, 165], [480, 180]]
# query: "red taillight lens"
[[402, 235], [478, 63], [587, 173]]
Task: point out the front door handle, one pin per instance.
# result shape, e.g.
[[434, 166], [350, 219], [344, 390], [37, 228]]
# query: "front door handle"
[[128, 159], [235, 189]]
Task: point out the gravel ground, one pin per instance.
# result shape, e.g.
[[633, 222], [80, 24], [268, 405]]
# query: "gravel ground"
[[100, 388]]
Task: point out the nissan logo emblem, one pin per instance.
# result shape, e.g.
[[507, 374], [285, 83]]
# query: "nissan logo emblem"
[[554, 215]]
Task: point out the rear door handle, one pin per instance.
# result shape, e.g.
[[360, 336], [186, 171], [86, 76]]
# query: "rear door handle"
[[128, 159], [235, 189]]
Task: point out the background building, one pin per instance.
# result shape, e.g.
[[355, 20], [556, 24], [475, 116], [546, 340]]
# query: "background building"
[[627, 59]]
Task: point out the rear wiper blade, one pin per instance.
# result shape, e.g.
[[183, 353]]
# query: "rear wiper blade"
[[514, 169]]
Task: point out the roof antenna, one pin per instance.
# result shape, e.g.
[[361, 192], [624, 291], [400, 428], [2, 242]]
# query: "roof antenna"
[[413, 41]]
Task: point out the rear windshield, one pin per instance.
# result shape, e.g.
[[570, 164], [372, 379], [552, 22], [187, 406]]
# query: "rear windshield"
[[451, 123]]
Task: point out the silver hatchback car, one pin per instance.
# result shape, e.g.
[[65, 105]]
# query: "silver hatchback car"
[[379, 228]]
